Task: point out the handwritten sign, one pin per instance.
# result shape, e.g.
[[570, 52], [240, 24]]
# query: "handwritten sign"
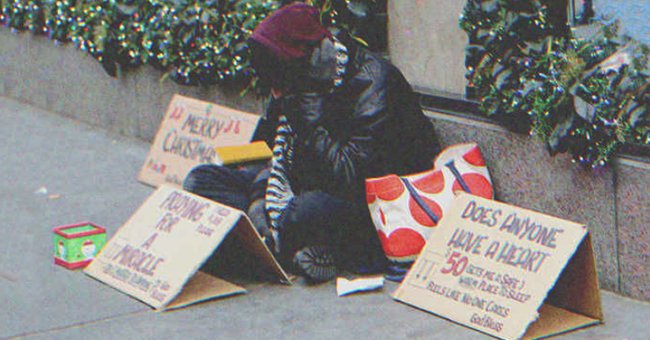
[[155, 256], [188, 136], [490, 266]]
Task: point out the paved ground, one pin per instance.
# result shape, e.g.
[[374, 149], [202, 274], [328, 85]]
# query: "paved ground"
[[90, 175]]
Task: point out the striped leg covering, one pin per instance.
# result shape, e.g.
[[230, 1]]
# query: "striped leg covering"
[[278, 189]]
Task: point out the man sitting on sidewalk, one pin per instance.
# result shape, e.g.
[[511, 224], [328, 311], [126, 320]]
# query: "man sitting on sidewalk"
[[337, 115]]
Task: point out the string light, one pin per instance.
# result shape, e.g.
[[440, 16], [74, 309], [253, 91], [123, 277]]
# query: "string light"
[[153, 33]]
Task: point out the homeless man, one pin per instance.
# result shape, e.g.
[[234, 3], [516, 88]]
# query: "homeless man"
[[337, 115]]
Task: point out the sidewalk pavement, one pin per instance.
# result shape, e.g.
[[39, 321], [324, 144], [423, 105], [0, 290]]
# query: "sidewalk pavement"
[[89, 175]]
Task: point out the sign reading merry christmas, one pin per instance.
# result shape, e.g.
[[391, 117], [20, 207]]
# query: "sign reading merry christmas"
[[188, 136]]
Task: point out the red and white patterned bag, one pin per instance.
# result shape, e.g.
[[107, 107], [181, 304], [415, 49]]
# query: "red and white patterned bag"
[[405, 210]]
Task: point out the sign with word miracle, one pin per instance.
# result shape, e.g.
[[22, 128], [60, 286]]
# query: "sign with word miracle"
[[188, 135], [498, 268], [155, 256]]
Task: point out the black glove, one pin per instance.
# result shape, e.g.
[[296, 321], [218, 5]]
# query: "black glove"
[[304, 111]]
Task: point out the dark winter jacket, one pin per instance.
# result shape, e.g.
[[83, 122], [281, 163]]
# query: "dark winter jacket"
[[370, 126]]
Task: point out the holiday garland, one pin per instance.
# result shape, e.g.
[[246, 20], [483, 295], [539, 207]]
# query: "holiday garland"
[[582, 95], [196, 42], [586, 96]]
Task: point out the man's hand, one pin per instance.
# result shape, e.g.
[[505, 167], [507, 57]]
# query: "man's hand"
[[304, 111]]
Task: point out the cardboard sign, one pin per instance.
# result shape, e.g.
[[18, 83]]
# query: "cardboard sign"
[[188, 136], [490, 266], [156, 255]]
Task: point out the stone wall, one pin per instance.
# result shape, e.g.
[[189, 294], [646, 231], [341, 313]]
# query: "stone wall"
[[632, 221], [68, 81]]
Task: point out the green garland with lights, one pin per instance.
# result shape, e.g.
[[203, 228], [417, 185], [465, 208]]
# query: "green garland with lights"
[[196, 42], [583, 95]]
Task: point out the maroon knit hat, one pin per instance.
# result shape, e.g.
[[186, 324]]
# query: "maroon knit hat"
[[291, 31]]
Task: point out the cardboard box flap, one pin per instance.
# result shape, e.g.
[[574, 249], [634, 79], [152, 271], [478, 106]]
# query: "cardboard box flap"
[[252, 241], [553, 321], [577, 289], [202, 287], [571, 302]]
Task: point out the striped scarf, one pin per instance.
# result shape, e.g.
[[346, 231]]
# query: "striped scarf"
[[278, 189]]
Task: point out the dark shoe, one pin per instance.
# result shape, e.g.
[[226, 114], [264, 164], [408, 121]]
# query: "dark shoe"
[[316, 263]]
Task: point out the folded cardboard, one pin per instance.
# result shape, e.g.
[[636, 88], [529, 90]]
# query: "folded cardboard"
[[506, 271], [188, 135], [156, 255]]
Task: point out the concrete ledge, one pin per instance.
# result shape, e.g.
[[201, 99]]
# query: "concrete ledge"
[[613, 202]]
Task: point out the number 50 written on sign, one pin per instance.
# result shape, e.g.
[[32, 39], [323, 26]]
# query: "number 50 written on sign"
[[456, 264]]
